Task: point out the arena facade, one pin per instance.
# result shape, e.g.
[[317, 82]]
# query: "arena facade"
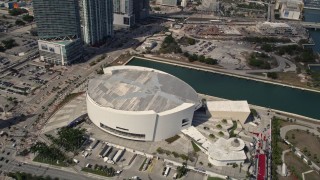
[[140, 103]]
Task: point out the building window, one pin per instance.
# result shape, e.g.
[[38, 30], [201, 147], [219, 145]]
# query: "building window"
[[126, 21], [44, 47], [122, 128], [51, 49], [185, 122], [121, 133]]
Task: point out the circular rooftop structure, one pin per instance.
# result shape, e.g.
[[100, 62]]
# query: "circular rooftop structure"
[[140, 103], [133, 88]]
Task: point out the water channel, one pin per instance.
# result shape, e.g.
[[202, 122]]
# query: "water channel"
[[278, 97]]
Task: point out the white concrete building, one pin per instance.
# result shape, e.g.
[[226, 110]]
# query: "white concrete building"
[[184, 3], [123, 13], [270, 28], [140, 103], [167, 2], [290, 9], [224, 152], [234, 110], [61, 52]]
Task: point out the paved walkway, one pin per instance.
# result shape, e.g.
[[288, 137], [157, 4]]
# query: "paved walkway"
[[284, 153], [283, 132], [285, 129], [306, 173]]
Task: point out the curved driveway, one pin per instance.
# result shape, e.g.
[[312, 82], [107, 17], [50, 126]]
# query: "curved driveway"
[[282, 66], [285, 129]]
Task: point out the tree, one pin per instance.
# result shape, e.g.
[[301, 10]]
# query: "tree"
[[27, 18], [186, 54], [267, 47], [191, 41], [9, 43], [19, 22], [182, 170], [293, 136], [212, 136], [170, 45], [219, 126], [211, 61], [209, 165], [272, 75], [34, 32], [6, 109], [2, 49], [202, 58], [17, 11], [157, 8]]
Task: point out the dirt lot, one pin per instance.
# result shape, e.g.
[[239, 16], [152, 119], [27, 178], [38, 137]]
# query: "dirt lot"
[[291, 78], [312, 176], [299, 167], [302, 140]]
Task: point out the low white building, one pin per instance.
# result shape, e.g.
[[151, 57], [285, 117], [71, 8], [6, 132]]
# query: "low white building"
[[224, 152], [234, 110], [184, 3], [270, 28], [290, 9], [167, 2]]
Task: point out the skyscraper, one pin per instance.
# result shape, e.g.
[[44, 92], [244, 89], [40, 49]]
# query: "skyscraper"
[[128, 12], [141, 9], [123, 12], [96, 20], [57, 19], [59, 32]]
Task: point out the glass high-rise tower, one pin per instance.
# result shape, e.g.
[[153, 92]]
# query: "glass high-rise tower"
[[58, 23], [96, 20], [57, 18]]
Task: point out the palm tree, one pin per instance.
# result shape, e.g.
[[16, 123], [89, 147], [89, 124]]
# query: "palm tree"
[[5, 109]]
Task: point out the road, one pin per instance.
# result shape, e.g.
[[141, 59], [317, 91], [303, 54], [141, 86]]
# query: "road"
[[285, 129], [282, 66], [45, 171]]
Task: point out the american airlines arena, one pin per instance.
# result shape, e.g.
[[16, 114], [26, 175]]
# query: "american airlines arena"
[[140, 103]]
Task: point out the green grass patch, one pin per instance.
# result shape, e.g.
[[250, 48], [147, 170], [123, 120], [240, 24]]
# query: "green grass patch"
[[195, 147], [172, 139], [46, 160], [234, 127], [144, 161], [276, 149], [214, 178], [98, 172]]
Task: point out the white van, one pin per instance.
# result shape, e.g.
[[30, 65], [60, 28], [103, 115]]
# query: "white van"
[[76, 161], [175, 176], [166, 173]]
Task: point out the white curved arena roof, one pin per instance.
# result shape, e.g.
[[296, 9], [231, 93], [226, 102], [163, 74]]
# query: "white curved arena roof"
[[133, 88]]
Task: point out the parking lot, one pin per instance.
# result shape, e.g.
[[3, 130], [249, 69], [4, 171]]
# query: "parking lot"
[[22, 80], [230, 54]]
